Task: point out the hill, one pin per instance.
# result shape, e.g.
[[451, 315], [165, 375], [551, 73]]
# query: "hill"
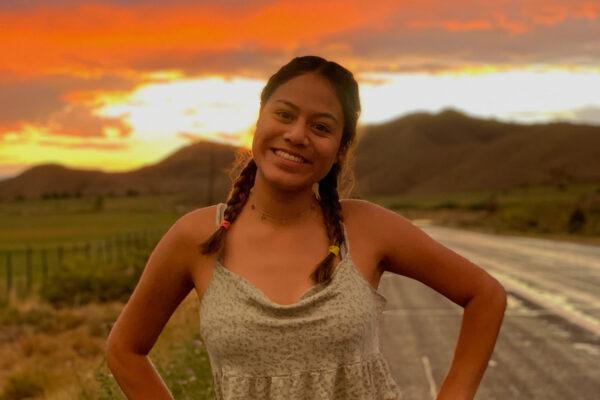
[[420, 153], [451, 152], [187, 170]]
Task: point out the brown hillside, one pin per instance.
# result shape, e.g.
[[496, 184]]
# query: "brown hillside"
[[451, 152], [418, 153], [186, 170]]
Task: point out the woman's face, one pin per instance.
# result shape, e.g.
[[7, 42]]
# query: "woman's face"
[[304, 117]]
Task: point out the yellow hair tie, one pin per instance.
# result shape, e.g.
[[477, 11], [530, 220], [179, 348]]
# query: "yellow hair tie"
[[334, 249]]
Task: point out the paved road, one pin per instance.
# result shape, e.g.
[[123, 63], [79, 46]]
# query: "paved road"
[[549, 345]]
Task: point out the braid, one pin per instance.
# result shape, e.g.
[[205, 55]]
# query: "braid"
[[332, 214], [236, 200]]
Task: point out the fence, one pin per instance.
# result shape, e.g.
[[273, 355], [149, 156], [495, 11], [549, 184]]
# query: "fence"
[[23, 271]]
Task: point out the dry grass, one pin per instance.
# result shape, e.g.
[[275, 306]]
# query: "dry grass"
[[61, 360], [61, 356]]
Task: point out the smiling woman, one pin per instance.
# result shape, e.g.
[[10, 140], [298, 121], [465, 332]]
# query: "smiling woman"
[[287, 309]]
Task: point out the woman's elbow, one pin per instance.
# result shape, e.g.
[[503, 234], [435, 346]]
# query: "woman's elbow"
[[113, 352], [495, 294]]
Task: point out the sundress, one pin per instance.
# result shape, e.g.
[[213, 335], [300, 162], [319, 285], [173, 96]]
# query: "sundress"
[[324, 346]]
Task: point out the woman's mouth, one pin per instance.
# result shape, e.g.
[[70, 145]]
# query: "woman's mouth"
[[288, 156]]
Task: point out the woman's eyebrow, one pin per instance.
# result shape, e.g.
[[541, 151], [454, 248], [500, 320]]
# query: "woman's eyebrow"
[[296, 108]]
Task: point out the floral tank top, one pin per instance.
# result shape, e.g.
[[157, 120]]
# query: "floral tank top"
[[324, 346]]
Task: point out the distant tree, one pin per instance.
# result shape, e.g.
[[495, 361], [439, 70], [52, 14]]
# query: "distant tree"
[[98, 203], [491, 205], [576, 220]]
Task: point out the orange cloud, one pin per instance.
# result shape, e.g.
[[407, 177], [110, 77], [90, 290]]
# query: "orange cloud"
[[94, 38], [512, 17]]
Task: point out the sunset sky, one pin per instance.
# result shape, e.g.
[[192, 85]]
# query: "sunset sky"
[[117, 84]]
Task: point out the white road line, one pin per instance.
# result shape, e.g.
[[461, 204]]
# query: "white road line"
[[553, 298], [573, 256], [429, 375], [548, 301], [533, 280]]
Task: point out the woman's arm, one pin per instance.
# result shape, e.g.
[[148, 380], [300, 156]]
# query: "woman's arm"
[[407, 250], [165, 282]]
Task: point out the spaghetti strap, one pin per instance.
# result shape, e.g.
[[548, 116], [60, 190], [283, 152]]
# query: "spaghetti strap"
[[219, 214]]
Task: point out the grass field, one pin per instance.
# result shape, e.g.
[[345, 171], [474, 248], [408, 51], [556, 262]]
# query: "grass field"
[[58, 353], [566, 212], [60, 221]]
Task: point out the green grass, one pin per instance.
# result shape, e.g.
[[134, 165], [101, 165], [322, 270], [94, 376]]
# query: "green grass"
[[59, 221], [540, 210]]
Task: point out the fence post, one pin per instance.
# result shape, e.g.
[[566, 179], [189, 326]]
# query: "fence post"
[[60, 255], [9, 274], [28, 269], [108, 250], [44, 266]]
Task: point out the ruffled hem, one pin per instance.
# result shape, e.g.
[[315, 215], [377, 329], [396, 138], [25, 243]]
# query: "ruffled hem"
[[364, 380]]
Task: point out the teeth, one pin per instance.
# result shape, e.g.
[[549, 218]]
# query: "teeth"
[[288, 156]]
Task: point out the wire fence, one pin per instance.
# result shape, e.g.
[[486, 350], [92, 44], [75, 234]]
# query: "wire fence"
[[25, 270]]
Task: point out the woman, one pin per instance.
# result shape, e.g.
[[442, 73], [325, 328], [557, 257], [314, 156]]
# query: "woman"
[[287, 273]]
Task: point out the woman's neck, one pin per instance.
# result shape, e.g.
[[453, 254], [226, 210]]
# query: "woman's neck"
[[279, 206]]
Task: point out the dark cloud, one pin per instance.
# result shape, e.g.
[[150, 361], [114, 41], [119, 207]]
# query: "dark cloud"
[[42, 101], [79, 121], [249, 62], [402, 49]]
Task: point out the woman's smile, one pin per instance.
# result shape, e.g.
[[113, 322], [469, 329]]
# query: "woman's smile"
[[289, 156]]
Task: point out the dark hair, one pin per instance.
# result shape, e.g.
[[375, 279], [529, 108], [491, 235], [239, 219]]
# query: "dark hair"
[[346, 90]]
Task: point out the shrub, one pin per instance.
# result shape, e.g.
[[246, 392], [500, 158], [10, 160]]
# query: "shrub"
[[22, 385], [489, 205], [446, 205], [80, 281], [576, 220]]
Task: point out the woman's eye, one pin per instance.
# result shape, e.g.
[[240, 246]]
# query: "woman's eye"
[[321, 127], [284, 115]]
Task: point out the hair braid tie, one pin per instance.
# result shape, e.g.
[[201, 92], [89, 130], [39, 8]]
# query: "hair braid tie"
[[334, 249], [225, 224]]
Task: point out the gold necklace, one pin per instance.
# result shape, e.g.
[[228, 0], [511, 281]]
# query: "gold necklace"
[[265, 215]]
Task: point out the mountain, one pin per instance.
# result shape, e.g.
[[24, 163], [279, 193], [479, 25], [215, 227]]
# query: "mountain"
[[417, 153], [452, 152], [187, 170]]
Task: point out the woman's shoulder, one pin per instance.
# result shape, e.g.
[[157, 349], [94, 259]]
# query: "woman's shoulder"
[[196, 225], [370, 218], [363, 210]]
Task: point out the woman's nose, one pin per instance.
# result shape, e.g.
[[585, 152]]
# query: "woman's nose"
[[297, 133]]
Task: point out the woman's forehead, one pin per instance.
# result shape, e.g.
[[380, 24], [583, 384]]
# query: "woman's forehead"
[[310, 93]]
